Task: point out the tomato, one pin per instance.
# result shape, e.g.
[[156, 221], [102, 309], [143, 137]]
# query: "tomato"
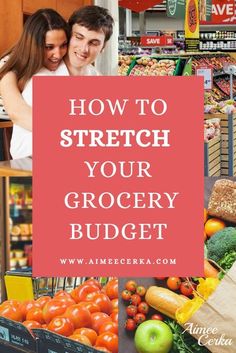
[[135, 299], [103, 301], [80, 338], [131, 310], [79, 315], [52, 309], [43, 300], [26, 305], [143, 308], [126, 295], [98, 319], [11, 312], [115, 303], [93, 281], [130, 325], [68, 300], [114, 316], [157, 317], [131, 286], [80, 293], [139, 318], [141, 290], [91, 306], [112, 288], [109, 326], [61, 325], [29, 324], [62, 293], [160, 278], [12, 302], [173, 283], [88, 332], [103, 349], [186, 288], [35, 314], [108, 340]]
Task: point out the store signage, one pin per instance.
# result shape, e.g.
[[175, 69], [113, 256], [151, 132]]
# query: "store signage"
[[175, 8], [205, 9], [191, 25], [207, 73], [109, 188], [138, 5], [156, 41], [223, 12]]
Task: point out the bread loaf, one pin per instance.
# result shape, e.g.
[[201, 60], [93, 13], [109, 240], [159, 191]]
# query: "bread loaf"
[[222, 202], [164, 300]]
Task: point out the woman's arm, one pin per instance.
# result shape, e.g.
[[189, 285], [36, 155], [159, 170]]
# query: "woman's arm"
[[17, 109]]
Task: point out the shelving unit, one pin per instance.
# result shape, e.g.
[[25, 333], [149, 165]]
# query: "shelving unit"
[[217, 41]]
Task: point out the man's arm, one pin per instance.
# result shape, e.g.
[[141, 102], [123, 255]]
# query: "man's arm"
[[17, 109]]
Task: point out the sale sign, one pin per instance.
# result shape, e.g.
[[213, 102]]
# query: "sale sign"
[[140, 5], [118, 185], [191, 19], [156, 41], [222, 12]]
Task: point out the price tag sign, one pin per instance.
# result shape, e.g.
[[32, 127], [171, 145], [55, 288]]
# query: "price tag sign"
[[207, 73]]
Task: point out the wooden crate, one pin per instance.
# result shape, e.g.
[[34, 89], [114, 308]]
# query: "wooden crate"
[[228, 145], [212, 157]]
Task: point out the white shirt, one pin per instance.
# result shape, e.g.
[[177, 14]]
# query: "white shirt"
[[21, 141]]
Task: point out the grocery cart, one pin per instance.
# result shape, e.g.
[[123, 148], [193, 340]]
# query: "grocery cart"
[[20, 285]]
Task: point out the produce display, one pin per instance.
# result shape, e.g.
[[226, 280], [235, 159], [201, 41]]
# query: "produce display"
[[211, 129], [217, 61], [224, 84], [216, 102], [88, 314], [173, 301], [146, 66], [150, 66]]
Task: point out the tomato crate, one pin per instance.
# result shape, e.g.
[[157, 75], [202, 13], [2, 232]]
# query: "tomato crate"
[[228, 145], [212, 157], [49, 342], [14, 337]]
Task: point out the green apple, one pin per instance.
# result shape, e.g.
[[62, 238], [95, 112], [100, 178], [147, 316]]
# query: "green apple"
[[153, 336]]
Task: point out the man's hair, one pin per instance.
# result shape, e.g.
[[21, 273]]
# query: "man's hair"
[[94, 18]]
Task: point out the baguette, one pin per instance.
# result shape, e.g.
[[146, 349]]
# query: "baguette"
[[164, 300]]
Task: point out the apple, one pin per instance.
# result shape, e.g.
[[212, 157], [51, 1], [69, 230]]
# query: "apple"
[[153, 336]]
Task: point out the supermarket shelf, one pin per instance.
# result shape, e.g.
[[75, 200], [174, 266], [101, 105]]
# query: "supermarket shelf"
[[217, 39], [21, 240], [19, 207]]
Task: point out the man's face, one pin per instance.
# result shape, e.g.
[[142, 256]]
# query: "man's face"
[[84, 46]]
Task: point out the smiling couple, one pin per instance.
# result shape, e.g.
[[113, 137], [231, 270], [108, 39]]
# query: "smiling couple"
[[49, 46]]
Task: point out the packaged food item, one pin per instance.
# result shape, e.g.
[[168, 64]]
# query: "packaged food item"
[[222, 202], [22, 261], [18, 253], [24, 229], [13, 262]]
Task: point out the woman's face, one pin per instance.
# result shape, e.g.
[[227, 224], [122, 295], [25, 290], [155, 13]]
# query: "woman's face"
[[55, 48]]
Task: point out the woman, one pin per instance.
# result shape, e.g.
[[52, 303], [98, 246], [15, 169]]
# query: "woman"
[[91, 27], [42, 46]]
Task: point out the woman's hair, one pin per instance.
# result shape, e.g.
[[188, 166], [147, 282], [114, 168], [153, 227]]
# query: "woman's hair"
[[94, 18], [27, 56]]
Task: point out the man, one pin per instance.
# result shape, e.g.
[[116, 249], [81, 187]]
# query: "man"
[[91, 27]]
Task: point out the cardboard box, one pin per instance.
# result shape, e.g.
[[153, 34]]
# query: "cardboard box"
[[15, 337], [228, 145], [212, 157]]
